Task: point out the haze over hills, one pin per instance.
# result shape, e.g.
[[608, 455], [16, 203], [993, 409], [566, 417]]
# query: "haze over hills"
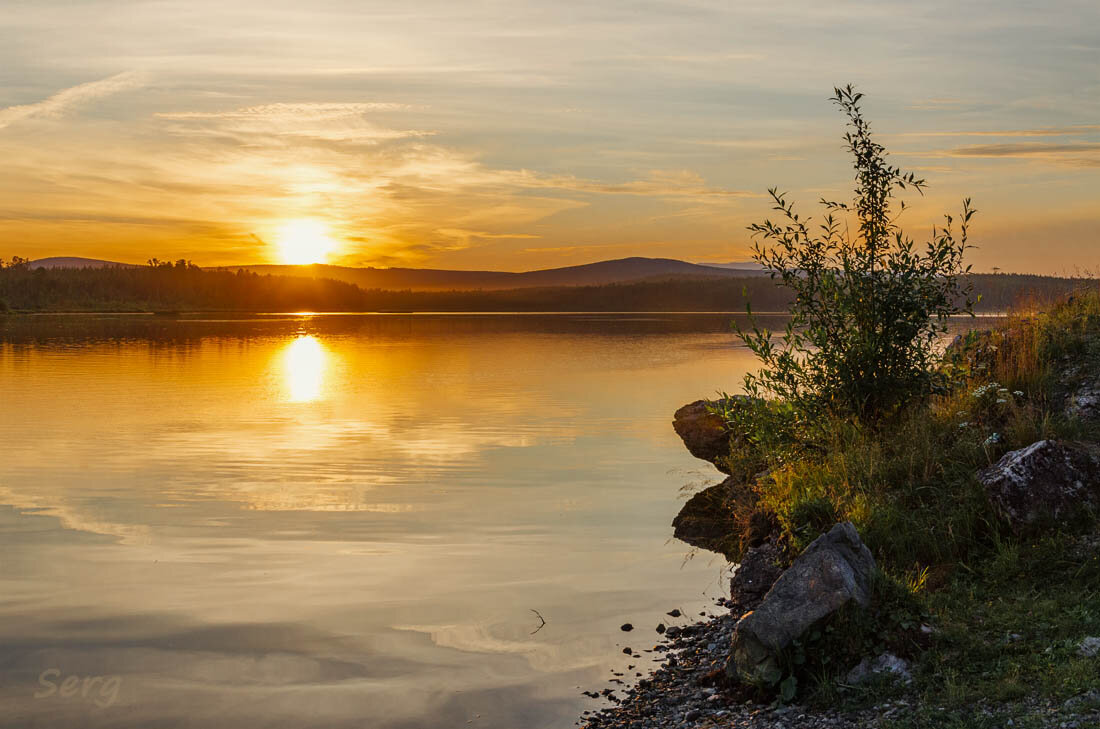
[[427, 279]]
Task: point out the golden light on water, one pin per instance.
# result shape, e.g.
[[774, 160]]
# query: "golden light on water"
[[304, 364], [303, 241]]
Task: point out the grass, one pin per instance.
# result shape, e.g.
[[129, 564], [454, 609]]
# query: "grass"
[[1007, 630], [1007, 610]]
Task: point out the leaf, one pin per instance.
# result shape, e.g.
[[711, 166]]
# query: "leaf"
[[788, 689]]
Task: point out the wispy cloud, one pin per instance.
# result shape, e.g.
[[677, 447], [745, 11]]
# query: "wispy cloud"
[[661, 183], [1072, 154], [938, 104], [299, 112], [1026, 149], [1048, 132], [320, 121], [62, 101]]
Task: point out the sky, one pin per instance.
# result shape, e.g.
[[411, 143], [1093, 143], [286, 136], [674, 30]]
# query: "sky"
[[532, 134]]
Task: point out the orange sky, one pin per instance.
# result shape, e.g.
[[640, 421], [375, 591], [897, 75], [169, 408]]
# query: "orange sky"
[[529, 134]]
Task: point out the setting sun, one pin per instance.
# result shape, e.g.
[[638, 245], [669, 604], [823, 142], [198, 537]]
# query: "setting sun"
[[301, 242]]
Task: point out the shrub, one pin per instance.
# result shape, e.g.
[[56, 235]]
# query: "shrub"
[[869, 308]]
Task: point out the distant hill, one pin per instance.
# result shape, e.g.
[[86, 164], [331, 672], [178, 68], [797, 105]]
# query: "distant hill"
[[75, 262], [179, 287], [428, 279], [622, 270], [742, 266]]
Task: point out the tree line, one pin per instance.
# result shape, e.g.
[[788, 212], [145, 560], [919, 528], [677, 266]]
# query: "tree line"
[[164, 286]]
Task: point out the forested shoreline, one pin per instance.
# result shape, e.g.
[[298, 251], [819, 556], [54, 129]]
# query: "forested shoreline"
[[183, 286]]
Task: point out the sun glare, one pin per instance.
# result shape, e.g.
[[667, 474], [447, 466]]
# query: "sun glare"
[[301, 242], [304, 364]]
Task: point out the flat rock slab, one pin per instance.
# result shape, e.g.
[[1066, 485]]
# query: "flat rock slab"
[[1048, 482]]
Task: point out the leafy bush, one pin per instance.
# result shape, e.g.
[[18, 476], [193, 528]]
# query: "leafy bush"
[[867, 308]]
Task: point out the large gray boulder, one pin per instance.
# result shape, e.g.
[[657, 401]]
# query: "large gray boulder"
[[1049, 482], [835, 570], [703, 432]]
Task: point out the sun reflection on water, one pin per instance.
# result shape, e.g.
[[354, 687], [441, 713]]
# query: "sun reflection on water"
[[304, 363]]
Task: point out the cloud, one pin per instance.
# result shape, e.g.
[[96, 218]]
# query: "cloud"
[[74, 96], [298, 112], [467, 235], [661, 183], [1048, 132], [394, 195], [1077, 154], [937, 104], [1024, 149], [333, 122]]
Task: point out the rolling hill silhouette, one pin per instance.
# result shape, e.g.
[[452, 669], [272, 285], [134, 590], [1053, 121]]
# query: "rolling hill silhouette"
[[429, 279], [76, 262]]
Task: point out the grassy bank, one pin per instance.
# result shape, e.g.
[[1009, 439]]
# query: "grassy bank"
[[983, 613]]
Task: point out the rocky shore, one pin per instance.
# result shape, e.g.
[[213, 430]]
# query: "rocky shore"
[[726, 671], [689, 690]]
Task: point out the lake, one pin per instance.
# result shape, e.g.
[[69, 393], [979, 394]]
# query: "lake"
[[343, 520]]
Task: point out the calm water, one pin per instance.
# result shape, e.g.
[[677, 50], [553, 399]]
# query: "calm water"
[[329, 521]]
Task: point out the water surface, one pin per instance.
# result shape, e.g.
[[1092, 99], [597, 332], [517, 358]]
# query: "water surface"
[[330, 521]]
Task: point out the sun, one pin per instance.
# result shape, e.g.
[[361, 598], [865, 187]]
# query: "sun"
[[304, 241]]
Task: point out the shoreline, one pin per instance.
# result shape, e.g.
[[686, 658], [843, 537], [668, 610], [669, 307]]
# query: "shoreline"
[[701, 681], [688, 689], [684, 693], [428, 312]]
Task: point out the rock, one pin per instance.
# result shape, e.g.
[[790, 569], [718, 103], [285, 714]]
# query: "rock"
[[1085, 402], [834, 570], [626, 627], [1049, 481], [1089, 647], [703, 432], [674, 613], [706, 520], [887, 663], [758, 571]]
